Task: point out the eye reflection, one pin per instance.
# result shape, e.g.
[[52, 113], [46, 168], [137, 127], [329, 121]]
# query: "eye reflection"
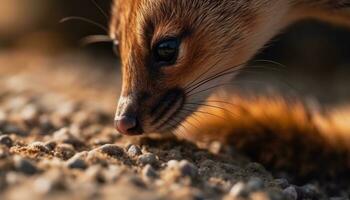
[[166, 52]]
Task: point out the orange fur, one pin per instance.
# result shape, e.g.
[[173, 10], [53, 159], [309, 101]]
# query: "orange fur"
[[223, 35], [281, 133]]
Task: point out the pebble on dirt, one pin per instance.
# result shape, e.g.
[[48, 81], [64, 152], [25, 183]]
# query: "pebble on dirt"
[[112, 150], [6, 140], [53, 149], [147, 158], [291, 193], [134, 150], [25, 166], [77, 161]]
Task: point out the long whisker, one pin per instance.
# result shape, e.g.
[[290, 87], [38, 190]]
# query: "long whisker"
[[172, 125], [194, 116], [271, 62], [201, 75], [183, 127], [91, 39], [202, 112], [203, 80], [215, 76], [227, 72], [217, 101], [220, 85], [182, 117], [212, 106], [100, 9], [186, 121], [66, 19]]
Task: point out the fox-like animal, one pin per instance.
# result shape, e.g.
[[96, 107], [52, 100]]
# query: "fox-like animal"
[[176, 53]]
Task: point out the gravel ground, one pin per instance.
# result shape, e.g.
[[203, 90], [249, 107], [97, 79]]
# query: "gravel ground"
[[59, 146]]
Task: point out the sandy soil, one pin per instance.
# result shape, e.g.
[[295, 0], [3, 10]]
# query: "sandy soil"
[[57, 142]]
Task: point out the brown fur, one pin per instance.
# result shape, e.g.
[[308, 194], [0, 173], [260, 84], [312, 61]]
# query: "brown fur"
[[220, 35]]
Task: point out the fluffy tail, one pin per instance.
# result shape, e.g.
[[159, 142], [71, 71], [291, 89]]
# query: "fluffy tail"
[[281, 134]]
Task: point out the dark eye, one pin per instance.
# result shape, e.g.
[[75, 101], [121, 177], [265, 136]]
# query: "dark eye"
[[166, 51]]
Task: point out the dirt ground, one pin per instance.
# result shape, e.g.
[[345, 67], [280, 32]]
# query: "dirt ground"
[[57, 142]]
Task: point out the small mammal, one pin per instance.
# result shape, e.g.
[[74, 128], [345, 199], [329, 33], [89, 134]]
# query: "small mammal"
[[175, 53]]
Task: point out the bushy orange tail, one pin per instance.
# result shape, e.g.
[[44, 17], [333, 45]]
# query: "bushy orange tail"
[[283, 134]]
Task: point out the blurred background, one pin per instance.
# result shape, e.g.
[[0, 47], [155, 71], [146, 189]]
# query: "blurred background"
[[314, 58]]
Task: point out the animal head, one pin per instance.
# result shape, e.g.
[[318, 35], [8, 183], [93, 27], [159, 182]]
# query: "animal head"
[[174, 53]]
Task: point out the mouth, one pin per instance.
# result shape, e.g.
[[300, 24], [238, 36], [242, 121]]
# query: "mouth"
[[165, 114]]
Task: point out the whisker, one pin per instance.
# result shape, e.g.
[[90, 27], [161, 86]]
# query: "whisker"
[[100, 9], [220, 85], [212, 106], [184, 129], [182, 117], [215, 76], [186, 121], [91, 39], [66, 19], [201, 75], [217, 101], [227, 72], [211, 79], [194, 116], [271, 62], [227, 69], [202, 112], [171, 125]]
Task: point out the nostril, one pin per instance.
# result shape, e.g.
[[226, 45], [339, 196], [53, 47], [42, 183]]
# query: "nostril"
[[127, 125]]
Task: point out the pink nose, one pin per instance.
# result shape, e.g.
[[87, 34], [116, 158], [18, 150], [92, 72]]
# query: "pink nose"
[[127, 125]]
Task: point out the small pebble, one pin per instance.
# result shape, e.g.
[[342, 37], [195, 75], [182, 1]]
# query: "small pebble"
[[255, 184], [291, 193], [188, 169], [148, 172], [172, 164], [39, 146], [308, 191], [148, 158], [11, 129], [6, 140], [29, 113], [282, 182], [64, 151], [112, 150], [77, 161], [239, 190], [134, 150], [62, 134], [25, 166], [50, 145]]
